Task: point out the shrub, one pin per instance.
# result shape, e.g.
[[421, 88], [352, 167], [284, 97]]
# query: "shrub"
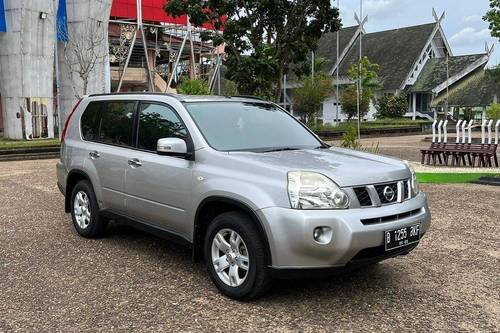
[[194, 87], [493, 111], [350, 138], [392, 106]]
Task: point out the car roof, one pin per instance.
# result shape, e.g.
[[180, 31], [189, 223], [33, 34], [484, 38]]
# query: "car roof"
[[188, 98]]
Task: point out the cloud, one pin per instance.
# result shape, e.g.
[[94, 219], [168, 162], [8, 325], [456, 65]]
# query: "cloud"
[[472, 18], [470, 36], [379, 9]]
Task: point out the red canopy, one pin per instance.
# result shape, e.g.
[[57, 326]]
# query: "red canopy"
[[152, 10]]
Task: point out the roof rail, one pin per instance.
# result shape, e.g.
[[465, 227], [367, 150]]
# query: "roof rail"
[[135, 93], [249, 97]]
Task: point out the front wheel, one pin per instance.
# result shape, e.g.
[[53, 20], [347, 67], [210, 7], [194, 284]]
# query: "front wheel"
[[235, 256]]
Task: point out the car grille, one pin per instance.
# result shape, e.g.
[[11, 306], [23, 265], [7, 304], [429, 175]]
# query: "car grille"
[[391, 218], [382, 194], [387, 193], [363, 196]]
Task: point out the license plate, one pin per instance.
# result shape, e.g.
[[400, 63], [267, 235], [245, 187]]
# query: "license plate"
[[402, 236]]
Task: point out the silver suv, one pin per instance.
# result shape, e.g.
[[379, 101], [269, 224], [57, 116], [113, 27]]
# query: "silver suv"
[[241, 181]]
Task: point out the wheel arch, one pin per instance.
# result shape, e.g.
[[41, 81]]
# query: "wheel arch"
[[212, 206], [74, 176]]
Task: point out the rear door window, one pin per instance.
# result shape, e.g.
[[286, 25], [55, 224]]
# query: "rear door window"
[[116, 124]]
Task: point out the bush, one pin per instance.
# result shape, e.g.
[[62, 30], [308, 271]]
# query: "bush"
[[493, 111], [193, 87], [350, 138], [392, 106]]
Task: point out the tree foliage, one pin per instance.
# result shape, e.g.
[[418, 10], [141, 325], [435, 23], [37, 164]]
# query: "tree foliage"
[[263, 39], [367, 73], [348, 100], [309, 97], [493, 111], [392, 106], [194, 87], [492, 16]]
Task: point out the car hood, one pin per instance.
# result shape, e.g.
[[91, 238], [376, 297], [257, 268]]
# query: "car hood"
[[344, 166]]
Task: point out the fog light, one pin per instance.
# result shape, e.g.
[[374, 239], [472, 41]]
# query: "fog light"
[[323, 235]]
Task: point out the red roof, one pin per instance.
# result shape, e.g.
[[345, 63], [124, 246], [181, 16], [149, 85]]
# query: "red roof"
[[152, 10]]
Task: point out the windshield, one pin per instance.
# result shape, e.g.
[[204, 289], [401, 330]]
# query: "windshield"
[[249, 126]]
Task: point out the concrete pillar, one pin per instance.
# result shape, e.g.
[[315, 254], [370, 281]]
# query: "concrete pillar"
[[26, 64], [81, 16]]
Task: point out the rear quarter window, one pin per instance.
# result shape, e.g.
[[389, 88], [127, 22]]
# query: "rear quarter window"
[[89, 120]]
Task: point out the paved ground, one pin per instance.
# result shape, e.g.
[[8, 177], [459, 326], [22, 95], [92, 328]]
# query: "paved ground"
[[405, 147], [53, 280]]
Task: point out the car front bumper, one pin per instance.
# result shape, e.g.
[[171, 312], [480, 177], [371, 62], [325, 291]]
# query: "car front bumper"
[[292, 246]]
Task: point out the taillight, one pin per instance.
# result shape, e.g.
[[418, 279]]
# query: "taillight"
[[66, 123]]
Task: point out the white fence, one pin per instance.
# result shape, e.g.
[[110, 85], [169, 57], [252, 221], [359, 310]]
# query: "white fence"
[[464, 131]]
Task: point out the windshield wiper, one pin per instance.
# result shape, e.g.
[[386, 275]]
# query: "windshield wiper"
[[280, 149]]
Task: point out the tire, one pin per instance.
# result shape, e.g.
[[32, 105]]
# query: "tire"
[[256, 279], [89, 225]]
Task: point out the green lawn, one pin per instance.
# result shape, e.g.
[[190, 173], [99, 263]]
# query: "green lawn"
[[7, 143], [451, 178]]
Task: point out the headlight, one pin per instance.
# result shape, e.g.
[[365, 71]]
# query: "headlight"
[[312, 190], [413, 181]]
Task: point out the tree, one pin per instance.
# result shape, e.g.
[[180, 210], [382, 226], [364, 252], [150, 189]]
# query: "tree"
[[492, 16], [493, 111], [392, 106], [367, 73], [263, 39], [348, 100], [309, 97], [82, 51]]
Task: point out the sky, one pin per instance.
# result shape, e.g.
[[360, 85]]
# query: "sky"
[[463, 25]]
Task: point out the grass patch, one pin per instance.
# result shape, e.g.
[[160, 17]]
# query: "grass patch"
[[451, 178], [8, 143]]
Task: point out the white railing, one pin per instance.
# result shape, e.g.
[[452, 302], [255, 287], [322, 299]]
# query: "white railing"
[[464, 131]]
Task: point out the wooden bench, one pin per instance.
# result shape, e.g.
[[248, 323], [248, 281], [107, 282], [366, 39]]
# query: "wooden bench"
[[461, 154]]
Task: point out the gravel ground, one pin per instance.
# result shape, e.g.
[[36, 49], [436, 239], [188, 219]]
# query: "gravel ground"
[[53, 280]]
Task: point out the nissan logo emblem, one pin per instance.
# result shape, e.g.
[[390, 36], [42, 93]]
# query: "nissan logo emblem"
[[389, 193]]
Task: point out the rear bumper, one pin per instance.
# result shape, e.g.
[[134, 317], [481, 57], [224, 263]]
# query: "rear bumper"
[[61, 177], [292, 246]]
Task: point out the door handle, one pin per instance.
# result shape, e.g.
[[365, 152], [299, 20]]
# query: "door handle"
[[94, 154], [134, 163]]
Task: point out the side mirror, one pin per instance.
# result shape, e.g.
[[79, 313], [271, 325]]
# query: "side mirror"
[[172, 147]]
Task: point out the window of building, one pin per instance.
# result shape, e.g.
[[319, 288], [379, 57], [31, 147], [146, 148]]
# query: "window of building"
[[156, 122], [116, 123], [423, 102]]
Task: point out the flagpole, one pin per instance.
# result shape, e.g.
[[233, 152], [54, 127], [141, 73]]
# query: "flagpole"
[[56, 67], [360, 90], [337, 79]]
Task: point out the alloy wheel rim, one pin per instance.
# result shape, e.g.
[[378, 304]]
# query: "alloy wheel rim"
[[81, 209], [230, 257]]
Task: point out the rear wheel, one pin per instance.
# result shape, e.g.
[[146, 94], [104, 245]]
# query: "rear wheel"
[[235, 256], [85, 211]]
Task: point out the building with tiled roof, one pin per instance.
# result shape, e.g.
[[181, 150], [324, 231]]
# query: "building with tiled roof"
[[412, 59]]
